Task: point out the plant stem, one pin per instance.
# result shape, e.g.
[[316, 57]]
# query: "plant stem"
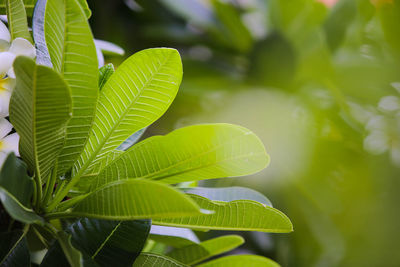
[[57, 215], [50, 185], [59, 196]]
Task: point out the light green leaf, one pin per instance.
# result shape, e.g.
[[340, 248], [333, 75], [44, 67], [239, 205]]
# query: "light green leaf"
[[238, 215], [173, 236], [240, 261], [136, 95], [40, 125], [196, 253], [154, 260], [16, 210], [135, 199], [29, 6], [105, 73], [14, 179], [17, 22], [110, 243], [191, 153], [229, 194], [72, 51]]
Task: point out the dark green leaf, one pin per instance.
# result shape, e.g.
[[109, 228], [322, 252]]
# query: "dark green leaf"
[[14, 179], [14, 249], [110, 243], [16, 210]]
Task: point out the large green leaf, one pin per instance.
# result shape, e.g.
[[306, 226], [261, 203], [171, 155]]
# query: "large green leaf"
[[14, 179], [14, 249], [18, 211], [63, 254], [196, 253], [154, 260], [173, 236], [135, 199], [136, 95], [246, 215], [70, 45], [240, 261], [40, 108], [29, 6], [229, 194], [191, 153], [17, 22], [110, 243]]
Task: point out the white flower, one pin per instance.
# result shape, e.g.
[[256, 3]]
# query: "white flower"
[[6, 87], [9, 51], [8, 143]]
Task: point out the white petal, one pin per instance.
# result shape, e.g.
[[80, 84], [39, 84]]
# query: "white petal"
[[6, 61], [4, 45], [5, 127], [7, 84], [22, 47], [3, 156], [10, 143], [11, 73], [100, 57], [4, 103], [376, 143], [4, 33]]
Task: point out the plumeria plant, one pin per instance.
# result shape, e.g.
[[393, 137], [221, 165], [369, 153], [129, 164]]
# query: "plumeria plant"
[[75, 187]]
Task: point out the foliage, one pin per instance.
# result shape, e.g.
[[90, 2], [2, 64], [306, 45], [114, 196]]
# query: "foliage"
[[88, 201]]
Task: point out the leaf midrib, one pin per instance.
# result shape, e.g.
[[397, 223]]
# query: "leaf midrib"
[[104, 140], [151, 175], [105, 241]]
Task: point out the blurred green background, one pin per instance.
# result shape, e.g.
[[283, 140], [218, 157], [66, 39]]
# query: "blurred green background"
[[319, 82]]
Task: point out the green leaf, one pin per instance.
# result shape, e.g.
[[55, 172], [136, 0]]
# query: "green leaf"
[[84, 5], [14, 179], [17, 22], [338, 22], [29, 6], [192, 153], [173, 236], [105, 73], [136, 95], [70, 45], [135, 199], [41, 127], [14, 249], [154, 260], [240, 261], [229, 194], [238, 215], [110, 243], [16, 210], [196, 253], [62, 254]]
